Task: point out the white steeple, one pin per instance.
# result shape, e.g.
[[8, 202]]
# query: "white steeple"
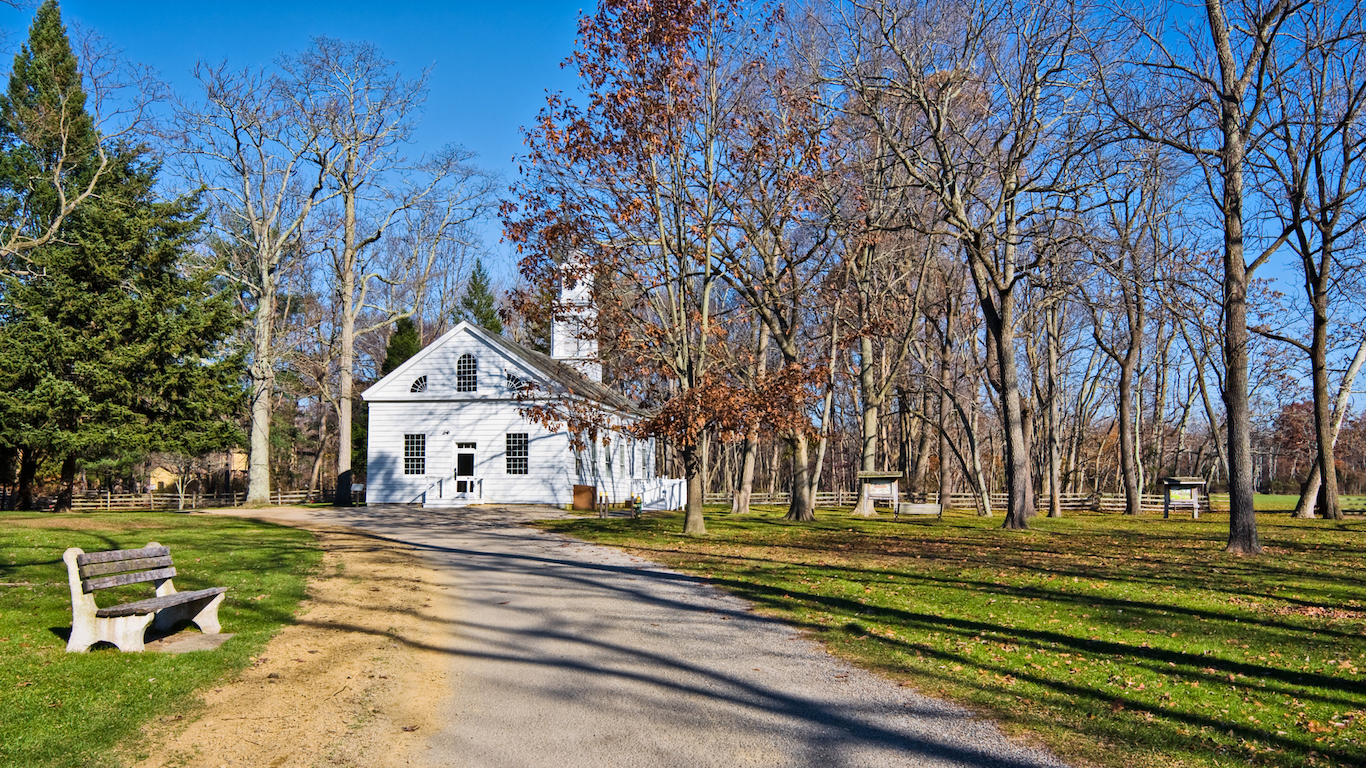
[[574, 332]]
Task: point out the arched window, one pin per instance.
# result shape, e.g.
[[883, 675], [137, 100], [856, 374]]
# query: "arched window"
[[420, 385], [466, 374], [515, 382]]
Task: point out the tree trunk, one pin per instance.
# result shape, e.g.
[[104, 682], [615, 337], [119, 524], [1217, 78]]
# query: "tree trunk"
[[872, 404], [1027, 423], [740, 503], [998, 307], [1163, 373], [347, 355], [1323, 412], [705, 440], [802, 507], [945, 405], [316, 474], [28, 470], [922, 445], [1242, 530], [1019, 483], [693, 522], [1310, 493], [63, 503], [8, 455], [979, 477], [1128, 461], [903, 423], [262, 372], [1242, 523], [1242, 518], [1053, 414]]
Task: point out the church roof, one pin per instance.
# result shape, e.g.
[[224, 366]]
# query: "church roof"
[[565, 375]]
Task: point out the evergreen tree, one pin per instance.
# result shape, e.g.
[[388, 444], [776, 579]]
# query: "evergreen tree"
[[360, 438], [113, 347], [107, 345], [479, 305], [48, 141], [403, 344]]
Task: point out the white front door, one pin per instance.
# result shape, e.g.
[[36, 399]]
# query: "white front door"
[[466, 484]]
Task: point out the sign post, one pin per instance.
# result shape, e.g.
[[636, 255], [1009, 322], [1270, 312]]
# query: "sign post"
[[1182, 492]]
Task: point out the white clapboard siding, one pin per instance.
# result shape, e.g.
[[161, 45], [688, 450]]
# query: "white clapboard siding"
[[446, 423], [437, 362]]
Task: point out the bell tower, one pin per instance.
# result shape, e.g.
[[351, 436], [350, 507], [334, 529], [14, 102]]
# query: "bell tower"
[[574, 331]]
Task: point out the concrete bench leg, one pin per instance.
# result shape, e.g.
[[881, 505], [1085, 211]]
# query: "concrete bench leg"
[[124, 631], [202, 613]]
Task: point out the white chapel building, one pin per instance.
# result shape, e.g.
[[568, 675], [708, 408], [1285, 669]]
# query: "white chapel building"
[[447, 428]]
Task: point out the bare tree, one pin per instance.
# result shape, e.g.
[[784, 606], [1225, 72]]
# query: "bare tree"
[[1128, 250], [979, 105], [775, 247], [1314, 155], [267, 167], [364, 113], [880, 225], [1205, 93]]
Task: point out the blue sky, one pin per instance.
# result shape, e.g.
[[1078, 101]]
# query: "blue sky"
[[492, 62]]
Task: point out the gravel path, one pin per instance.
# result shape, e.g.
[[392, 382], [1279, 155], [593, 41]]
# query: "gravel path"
[[570, 655]]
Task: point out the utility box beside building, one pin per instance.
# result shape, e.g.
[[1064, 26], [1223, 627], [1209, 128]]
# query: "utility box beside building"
[[585, 497]]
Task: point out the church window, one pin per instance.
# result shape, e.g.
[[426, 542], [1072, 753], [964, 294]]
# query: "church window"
[[414, 454], [517, 453], [466, 374], [420, 385]]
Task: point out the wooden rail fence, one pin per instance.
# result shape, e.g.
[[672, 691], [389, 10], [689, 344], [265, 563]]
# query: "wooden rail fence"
[[127, 502], [1070, 502]]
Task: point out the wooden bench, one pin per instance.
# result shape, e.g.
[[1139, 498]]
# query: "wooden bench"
[[124, 625], [910, 508]]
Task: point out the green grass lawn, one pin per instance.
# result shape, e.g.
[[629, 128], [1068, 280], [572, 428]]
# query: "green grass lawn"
[[1263, 502], [62, 709], [1127, 642], [1283, 502]]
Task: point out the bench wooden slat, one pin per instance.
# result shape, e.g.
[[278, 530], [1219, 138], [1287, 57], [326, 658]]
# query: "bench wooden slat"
[[121, 566], [909, 508], [115, 555], [154, 604], [104, 582]]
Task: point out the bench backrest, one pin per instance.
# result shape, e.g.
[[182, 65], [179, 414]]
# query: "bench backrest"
[[101, 570]]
